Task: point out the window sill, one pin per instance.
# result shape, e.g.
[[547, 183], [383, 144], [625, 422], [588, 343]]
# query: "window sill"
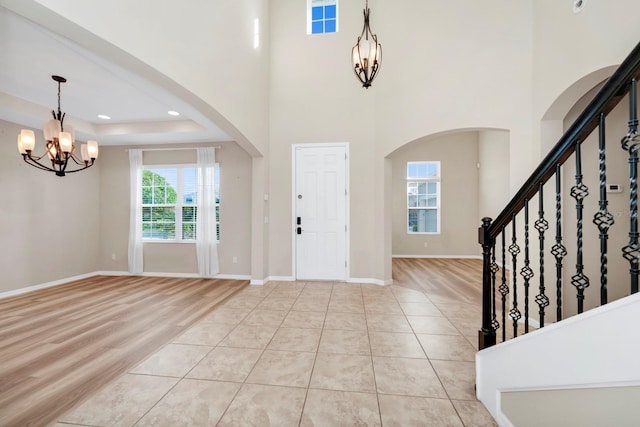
[[163, 241]]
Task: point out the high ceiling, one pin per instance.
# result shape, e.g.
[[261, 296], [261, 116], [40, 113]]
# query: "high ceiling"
[[138, 109]]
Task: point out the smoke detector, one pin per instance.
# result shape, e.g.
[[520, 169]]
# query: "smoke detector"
[[578, 5]]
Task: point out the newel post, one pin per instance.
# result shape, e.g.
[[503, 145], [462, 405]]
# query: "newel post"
[[486, 335]]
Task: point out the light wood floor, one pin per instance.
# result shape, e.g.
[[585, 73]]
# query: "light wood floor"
[[444, 279], [61, 344]]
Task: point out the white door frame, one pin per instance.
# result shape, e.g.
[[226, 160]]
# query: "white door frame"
[[345, 145]]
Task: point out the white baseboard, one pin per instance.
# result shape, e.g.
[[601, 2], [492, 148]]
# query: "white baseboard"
[[45, 285], [180, 275], [232, 276], [439, 256], [280, 279], [292, 279], [370, 281], [114, 273], [272, 279]]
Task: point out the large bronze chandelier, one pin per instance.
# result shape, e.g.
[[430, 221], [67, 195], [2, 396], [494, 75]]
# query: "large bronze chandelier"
[[366, 55], [60, 145]]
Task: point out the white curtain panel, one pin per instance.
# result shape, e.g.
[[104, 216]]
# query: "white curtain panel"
[[206, 242], [135, 216]]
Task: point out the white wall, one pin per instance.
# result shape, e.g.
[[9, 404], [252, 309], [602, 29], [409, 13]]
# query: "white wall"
[[206, 47], [601, 406], [575, 353]]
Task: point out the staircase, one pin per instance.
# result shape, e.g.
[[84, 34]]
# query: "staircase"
[[540, 268]]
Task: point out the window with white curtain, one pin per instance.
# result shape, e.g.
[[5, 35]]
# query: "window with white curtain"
[[423, 197], [169, 202]]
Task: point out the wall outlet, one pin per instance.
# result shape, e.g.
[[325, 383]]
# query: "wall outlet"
[[426, 244], [235, 259], [614, 188], [113, 257]]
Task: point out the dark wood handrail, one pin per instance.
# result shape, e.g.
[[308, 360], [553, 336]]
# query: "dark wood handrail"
[[616, 87]]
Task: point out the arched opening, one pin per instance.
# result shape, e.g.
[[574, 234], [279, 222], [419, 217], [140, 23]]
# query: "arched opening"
[[438, 216], [551, 125]]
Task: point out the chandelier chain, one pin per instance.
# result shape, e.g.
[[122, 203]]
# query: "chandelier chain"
[[59, 109]]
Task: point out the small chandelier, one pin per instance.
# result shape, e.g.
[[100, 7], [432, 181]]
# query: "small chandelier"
[[366, 55], [60, 145]]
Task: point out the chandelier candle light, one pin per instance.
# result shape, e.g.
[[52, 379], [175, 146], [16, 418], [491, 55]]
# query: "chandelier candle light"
[[366, 55], [60, 144]]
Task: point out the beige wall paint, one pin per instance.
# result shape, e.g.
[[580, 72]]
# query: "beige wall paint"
[[567, 47], [455, 65], [493, 175], [201, 52], [618, 205], [496, 64], [235, 213], [315, 98], [602, 406], [49, 226], [458, 156]]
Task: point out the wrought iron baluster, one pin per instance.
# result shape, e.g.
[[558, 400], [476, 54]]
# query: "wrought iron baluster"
[[579, 192], [603, 218], [558, 250], [495, 325], [514, 250], [526, 272], [631, 143], [541, 225], [504, 288]]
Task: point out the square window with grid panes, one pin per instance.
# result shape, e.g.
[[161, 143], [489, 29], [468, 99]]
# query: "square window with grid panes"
[[423, 197], [322, 16], [170, 203]]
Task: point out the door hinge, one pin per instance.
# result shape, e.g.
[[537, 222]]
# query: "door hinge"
[[345, 228], [345, 263]]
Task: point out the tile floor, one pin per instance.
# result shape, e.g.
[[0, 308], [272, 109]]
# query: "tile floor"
[[306, 354]]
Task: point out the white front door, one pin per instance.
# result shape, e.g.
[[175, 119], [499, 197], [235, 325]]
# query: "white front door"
[[320, 212]]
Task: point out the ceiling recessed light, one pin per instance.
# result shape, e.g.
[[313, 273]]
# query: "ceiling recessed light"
[[104, 117], [173, 113]]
